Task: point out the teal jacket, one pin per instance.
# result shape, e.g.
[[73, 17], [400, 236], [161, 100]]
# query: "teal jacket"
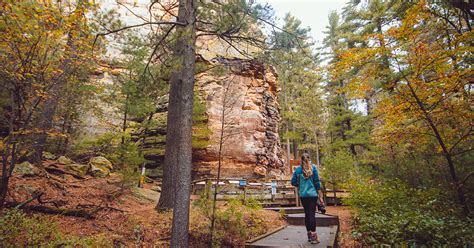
[[306, 187]]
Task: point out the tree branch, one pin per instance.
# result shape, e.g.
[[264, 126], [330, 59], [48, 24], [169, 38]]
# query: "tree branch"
[[136, 26], [157, 46]]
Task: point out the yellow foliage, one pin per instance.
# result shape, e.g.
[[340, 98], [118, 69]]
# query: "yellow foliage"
[[427, 80]]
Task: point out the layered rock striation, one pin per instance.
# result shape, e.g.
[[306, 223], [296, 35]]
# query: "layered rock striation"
[[252, 144]]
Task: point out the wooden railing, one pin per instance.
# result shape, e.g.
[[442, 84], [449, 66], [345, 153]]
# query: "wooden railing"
[[275, 191]]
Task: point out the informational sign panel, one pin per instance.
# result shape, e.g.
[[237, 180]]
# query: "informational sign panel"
[[294, 163], [242, 183]]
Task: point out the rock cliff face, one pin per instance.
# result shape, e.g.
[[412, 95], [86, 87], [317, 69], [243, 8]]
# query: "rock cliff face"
[[252, 144], [252, 148]]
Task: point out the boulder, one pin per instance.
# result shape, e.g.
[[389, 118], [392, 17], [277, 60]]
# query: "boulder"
[[99, 171], [48, 155], [25, 169], [100, 166], [64, 160], [101, 161], [79, 169]]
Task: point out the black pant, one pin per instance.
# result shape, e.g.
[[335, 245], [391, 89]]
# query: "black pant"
[[309, 205]]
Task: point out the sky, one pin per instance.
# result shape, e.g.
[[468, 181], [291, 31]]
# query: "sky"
[[312, 13]]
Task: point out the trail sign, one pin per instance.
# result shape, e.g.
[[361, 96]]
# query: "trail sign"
[[242, 183], [294, 163]]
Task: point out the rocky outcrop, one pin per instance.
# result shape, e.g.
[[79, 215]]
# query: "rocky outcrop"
[[252, 150], [25, 169], [64, 160], [100, 166], [78, 169], [48, 155]]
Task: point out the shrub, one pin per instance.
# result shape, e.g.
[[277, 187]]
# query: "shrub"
[[392, 213], [20, 230], [337, 168], [237, 220]]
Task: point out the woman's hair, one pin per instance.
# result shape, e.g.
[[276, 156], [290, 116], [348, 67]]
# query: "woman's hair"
[[307, 168]]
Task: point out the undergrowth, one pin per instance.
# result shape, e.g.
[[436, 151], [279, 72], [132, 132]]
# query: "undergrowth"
[[394, 214], [237, 220], [18, 229]]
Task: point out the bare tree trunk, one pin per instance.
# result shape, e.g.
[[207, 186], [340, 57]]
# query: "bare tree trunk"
[[317, 149], [352, 146], [7, 170], [221, 142], [368, 107], [9, 152], [295, 145], [180, 123], [64, 129], [452, 170], [288, 148], [125, 117], [171, 151], [229, 101]]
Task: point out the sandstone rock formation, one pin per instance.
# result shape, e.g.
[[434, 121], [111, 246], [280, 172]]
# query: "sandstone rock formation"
[[253, 150]]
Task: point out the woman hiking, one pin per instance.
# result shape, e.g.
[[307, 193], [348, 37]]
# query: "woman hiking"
[[306, 179]]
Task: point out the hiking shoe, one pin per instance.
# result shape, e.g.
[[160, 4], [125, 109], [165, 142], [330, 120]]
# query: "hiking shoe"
[[314, 238]]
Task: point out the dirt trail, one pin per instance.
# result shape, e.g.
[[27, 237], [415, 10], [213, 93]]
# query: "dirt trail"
[[345, 237]]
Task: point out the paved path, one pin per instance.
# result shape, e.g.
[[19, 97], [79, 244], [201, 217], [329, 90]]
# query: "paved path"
[[295, 236]]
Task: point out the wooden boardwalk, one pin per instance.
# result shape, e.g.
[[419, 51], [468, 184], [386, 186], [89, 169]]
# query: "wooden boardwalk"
[[294, 235], [275, 196]]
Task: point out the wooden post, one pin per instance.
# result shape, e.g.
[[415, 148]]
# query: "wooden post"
[[243, 186], [207, 188], [273, 189], [141, 181], [297, 197], [193, 188], [324, 192]]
